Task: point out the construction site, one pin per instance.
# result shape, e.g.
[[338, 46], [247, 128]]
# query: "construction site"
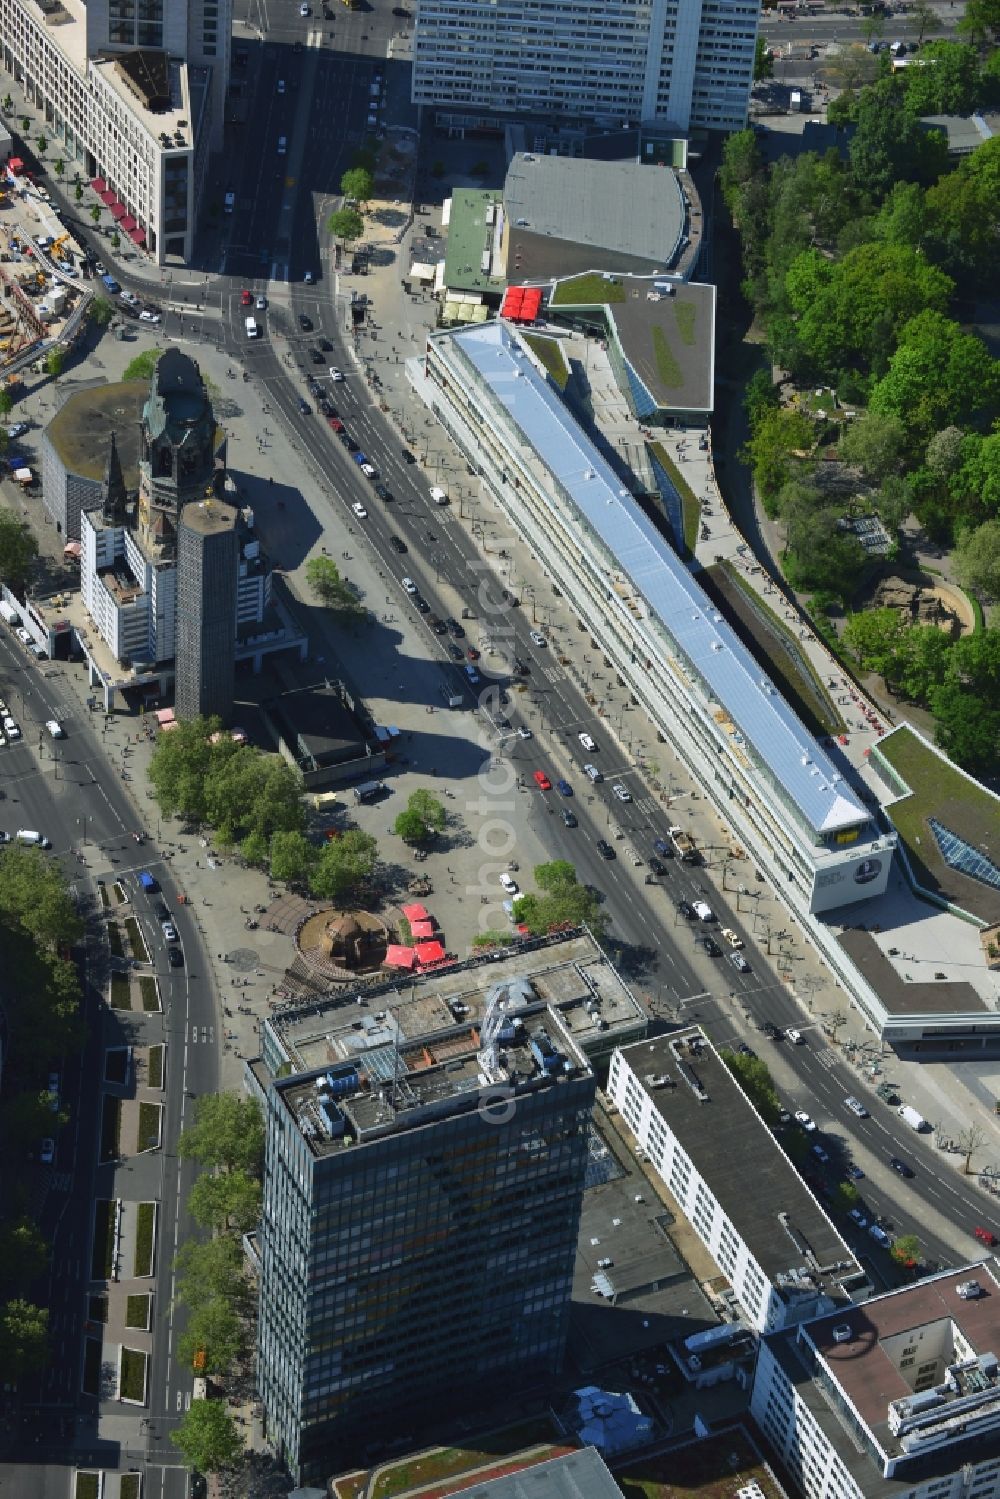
[[43, 274]]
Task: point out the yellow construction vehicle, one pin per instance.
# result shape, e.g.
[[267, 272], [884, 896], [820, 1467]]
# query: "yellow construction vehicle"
[[57, 245]]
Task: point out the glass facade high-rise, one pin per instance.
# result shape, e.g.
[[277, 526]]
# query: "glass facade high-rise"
[[420, 1217]]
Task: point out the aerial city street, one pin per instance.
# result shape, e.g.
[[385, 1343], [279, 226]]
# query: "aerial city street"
[[499, 749]]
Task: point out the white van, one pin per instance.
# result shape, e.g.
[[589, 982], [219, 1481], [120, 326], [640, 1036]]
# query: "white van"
[[282, 145], [253, 330], [31, 839], [55, 728], [703, 910], [438, 496]]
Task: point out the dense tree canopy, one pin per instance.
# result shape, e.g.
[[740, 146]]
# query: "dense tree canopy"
[[977, 560], [227, 1133], [18, 549], [563, 901], [208, 1437], [938, 376]]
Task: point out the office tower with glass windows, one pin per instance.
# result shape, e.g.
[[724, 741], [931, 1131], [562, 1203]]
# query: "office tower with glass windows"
[[421, 1205], [679, 64]]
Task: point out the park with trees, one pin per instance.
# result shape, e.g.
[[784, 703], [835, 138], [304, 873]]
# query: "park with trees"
[[859, 270]]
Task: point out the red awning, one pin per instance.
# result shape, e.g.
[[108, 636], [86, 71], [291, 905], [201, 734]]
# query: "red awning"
[[128, 223], [397, 956], [108, 197], [415, 912], [137, 236], [118, 210], [98, 184], [422, 928], [429, 952]]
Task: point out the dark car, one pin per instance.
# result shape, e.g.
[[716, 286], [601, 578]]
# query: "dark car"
[[197, 1485], [519, 667], [456, 653], [901, 1167], [569, 818], [305, 323], [324, 406], [398, 544], [304, 407], [686, 910], [175, 957], [437, 624], [420, 604], [455, 628], [709, 945], [348, 442], [382, 492], [771, 1031], [325, 345], [407, 456], [317, 356], [663, 847], [604, 849], [162, 912], [745, 1050], [657, 867]]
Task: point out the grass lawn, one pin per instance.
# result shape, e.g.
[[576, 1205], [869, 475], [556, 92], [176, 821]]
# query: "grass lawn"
[[116, 1065], [130, 1486], [105, 1212], [551, 355], [667, 367], [819, 403], [144, 1226], [137, 1311], [97, 1308], [687, 320], [150, 992], [121, 996], [591, 287], [115, 941], [149, 1126], [111, 1128], [351, 1486], [92, 1350], [776, 648], [690, 509], [717, 1469], [155, 1073], [442, 1463], [961, 805], [105, 897], [133, 1375], [88, 1486], [136, 941]]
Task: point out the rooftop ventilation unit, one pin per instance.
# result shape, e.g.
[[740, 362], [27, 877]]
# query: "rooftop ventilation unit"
[[969, 1290], [842, 1333]]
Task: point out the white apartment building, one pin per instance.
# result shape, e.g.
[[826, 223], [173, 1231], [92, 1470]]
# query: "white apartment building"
[[780, 1253], [896, 1399], [684, 64], [135, 94]]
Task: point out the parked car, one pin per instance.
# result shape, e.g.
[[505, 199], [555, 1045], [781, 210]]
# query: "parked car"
[[398, 544], [858, 1217], [622, 792], [804, 1119], [900, 1167], [820, 1154], [569, 818], [510, 884], [686, 909], [856, 1107], [739, 961], [169, 930], [564, 788], [455, 628]]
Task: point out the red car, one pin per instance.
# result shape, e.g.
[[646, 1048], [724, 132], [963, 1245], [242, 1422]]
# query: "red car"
[[336, 423], [472, 653], [544, 784], [246, 298], [985, 1236]]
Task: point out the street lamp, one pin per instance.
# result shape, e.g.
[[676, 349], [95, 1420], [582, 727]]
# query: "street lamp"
[[83, 819]]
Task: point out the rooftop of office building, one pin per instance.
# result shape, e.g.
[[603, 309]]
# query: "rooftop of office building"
[[568, 971], [641, 560], [391, 1087], [948, 1336], [754, 1182], [620, 207], [576, 1475]]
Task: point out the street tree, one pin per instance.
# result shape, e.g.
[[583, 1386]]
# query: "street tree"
[[18, 550], [906, 1251], [215, 1329], [971, 1139], [224, 1203], [754, 1078], [24, 1338], [967, 727], [945, 450], [291, 858], [963, 214], [763, 61], [563, 902], [980, 22], [849, 68], [208, 1437], [60, 167], [410, 826], [248, 791], [819, 556], [35, 898], [977, 560], [78, 195], [429, 808], [323, 577], [922, 17], [227, 1134], [778, 438], [180, 764], [55, 363], [43, 144], [100, 312], [945, 79], [346, 224], [95, 212], [358, 183], [875, 638], [344, 865], [846, 1196], [24, 1255], [208, 1269]]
